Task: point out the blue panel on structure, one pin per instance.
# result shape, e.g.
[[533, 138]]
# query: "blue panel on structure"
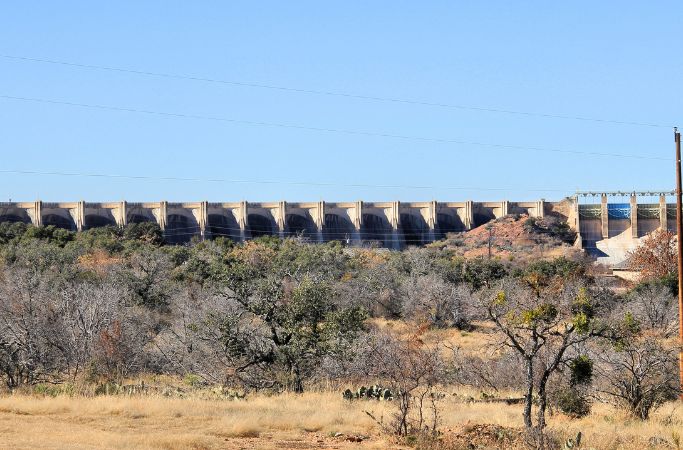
[[589, 211], [619, 210]]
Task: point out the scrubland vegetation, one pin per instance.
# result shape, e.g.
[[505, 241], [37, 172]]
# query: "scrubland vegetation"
[[111, 339]]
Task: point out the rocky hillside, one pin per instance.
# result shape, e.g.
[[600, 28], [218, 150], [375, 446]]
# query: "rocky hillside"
[[516, 237]]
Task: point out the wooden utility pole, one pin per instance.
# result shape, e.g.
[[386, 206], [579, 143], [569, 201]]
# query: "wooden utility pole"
[[679, 232]]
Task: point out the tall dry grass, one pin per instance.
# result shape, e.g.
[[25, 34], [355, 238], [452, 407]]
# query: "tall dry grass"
[[281, 421], [163, 423]]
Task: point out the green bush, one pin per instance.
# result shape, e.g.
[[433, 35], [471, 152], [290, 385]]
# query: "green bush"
[[50, 233], [148, 232], [192, 380], [107, 238], [581, 370], [573, 403], [552, 227], [480, 272], [9, 231]]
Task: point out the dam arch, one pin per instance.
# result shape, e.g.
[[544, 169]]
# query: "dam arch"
[[13, 214], [260, 224], [376, 228], [338, 227], [180, 227], [415, 230], [300, 223], [223, 225]]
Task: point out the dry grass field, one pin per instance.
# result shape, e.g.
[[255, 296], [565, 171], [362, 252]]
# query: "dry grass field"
[[285, 421]]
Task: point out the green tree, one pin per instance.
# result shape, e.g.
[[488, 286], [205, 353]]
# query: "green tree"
[[10, 231], [278, 330], [107, 238], [481, 272], [147, 232], [50, 233], [146, 275]]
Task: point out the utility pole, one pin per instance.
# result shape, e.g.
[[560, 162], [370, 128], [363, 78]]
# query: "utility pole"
[[489, 228], [679, 232]]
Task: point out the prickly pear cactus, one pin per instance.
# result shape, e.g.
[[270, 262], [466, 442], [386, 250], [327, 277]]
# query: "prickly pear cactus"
[[374, 392]]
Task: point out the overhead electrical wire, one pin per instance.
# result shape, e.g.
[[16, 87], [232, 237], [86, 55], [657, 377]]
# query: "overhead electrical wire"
[[326, 130], [338, 94], [276, 182], [171, 232]]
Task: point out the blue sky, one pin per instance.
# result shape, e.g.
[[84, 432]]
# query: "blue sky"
[[612, 60]]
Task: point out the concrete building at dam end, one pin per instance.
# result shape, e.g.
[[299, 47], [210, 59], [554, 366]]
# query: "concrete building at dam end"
[[604, 226]]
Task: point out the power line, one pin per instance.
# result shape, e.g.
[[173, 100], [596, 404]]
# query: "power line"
[[326, 130], [384, 232], [274, 182], [338, 94]]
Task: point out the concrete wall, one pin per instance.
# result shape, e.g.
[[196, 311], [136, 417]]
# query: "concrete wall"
[[609, 231], [389, 224]]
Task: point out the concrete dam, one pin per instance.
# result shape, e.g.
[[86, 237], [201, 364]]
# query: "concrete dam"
[[607, 229]]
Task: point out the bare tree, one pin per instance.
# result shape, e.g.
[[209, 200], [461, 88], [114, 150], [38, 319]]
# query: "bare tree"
[[212, 336], [655, 308], [430, 299], [376, 288], [639, 374], [543, 329], [493, 372], [25, 317], [414, 370], [656, 255], [637, 366], [51, 330], [146, 276]]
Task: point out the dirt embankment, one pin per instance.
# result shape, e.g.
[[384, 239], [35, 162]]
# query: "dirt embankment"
[[516, 237]]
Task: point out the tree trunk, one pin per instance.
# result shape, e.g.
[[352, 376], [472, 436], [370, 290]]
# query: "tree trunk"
[[528, 397], [298, 382], [542, 404]]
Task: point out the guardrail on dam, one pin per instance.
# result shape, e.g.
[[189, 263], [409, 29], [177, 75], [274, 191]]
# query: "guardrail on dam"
[[392, 224]]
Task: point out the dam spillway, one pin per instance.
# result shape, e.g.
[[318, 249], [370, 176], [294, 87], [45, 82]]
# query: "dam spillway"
[[606, 229], [389, 224]]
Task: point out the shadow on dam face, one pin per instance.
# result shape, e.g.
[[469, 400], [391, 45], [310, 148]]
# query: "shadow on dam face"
[[14, 218], [481, 218], [140, 218], [338, 228], [97, 221], [59, 221], [415, 229], [180, 228], [260, 225], [300, 225], [448, 223], [376, 229], [220, 225]]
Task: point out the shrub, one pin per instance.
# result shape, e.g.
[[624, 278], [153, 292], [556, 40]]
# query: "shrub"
[[551, 227], [192, 380], [480, 272], [10, 231], [148, 232], [51, 234], [573, 403]]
